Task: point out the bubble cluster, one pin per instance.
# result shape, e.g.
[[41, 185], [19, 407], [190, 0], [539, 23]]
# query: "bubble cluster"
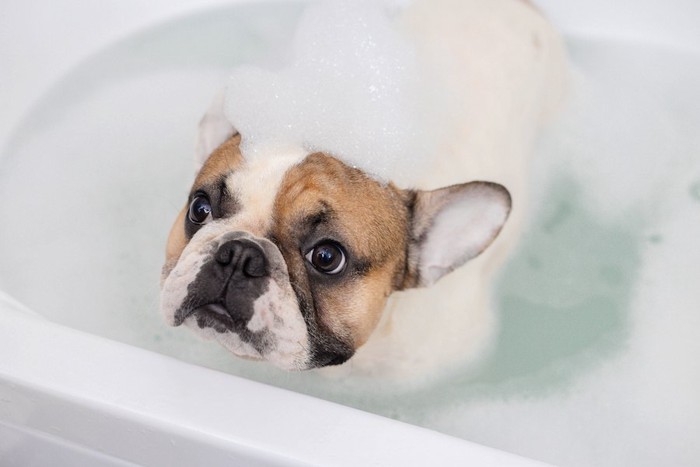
[[349, 90]]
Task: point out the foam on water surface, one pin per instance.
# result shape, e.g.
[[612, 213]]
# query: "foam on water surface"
[[595, 361]]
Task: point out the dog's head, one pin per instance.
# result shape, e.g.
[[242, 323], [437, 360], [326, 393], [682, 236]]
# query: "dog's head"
[[290, 259]]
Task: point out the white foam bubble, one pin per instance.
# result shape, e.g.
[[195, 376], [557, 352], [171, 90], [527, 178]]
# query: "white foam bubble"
[[624, 138], [349, 89]]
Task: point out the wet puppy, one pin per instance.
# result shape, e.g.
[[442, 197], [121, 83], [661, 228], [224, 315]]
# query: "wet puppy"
[[305, 261]]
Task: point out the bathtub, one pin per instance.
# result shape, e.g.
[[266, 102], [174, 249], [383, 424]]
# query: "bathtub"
[[80, 386]]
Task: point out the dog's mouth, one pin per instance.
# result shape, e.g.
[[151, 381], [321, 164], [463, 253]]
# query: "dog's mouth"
[[210, 315], [215, 309], [215, 316]]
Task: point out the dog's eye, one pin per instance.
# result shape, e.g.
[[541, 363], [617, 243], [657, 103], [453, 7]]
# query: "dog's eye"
[[200, 210], [327, 257]]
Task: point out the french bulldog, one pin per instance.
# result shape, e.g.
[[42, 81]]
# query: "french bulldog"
[[304, 261]]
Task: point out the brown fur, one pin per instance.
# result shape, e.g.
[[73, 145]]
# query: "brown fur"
[[322, 184], [177, 241], [226, 158]]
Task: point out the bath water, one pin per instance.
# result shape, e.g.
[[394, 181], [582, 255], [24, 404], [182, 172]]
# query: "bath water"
[[595, 361]]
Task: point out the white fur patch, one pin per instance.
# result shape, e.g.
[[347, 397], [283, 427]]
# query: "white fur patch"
[[174, 290], [271, 313], [255, 187]]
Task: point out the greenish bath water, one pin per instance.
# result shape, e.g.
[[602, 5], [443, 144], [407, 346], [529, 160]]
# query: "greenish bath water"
[[565, 295]]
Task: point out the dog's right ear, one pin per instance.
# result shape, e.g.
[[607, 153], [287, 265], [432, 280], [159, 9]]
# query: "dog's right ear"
[[214, 130], [450, 226]]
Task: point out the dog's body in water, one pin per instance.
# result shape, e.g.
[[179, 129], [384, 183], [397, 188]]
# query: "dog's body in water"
[[306, 262]]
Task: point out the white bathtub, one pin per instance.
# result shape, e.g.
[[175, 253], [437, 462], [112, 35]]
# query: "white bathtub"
[[70, 396]]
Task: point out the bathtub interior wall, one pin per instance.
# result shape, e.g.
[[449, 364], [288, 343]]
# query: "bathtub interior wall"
[[597, 309]]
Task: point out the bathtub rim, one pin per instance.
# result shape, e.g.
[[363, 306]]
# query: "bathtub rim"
[[171, 424]]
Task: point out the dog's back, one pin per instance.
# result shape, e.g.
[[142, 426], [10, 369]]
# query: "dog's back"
[[503, 67]]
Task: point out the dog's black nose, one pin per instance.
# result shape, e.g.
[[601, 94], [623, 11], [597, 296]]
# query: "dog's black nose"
[[244, 256]]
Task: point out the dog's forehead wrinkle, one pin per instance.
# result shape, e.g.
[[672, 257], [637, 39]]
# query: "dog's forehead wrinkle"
[[321, 214]]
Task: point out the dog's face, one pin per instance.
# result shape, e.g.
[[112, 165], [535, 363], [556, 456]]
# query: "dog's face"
[[291, 259]]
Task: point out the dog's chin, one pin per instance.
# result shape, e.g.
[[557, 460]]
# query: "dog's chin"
[[213, 322]]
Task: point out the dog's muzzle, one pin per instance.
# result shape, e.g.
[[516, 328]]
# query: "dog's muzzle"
[[234, 287], [227, 286]]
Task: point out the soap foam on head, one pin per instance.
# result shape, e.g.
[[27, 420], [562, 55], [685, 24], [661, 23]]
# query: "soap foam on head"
[[350, 90]]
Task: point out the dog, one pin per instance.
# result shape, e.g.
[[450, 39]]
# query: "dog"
[[304, 261]]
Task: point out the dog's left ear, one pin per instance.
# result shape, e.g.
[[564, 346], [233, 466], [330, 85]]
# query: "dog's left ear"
[[214, 130], [450, 226]]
